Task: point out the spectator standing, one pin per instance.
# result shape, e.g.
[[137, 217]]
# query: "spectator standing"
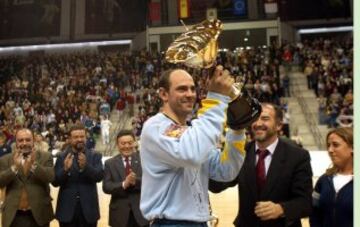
[[105, 125], [26, 173], [122, 180], [275, 182], [333, 193], [77, 170], [4, 146], [4, 149], [39, 143]]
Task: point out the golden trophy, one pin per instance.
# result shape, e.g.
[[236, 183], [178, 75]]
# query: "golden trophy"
[[197, 48]]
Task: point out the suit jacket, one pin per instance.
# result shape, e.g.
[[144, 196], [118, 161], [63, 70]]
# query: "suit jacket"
[[289, 182], [36, 185], [123, 201], [79, 186]]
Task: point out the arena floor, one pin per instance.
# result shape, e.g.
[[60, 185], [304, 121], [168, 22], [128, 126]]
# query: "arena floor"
[[224, 205]]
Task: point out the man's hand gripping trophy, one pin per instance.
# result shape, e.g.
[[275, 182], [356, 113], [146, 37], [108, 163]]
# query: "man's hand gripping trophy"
[[197, 48]]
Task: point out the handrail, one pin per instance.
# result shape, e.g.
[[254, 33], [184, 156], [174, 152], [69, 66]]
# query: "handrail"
[[310, 118], [121, 125]]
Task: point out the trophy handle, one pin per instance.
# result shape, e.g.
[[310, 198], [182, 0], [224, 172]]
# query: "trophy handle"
[[237, 88]]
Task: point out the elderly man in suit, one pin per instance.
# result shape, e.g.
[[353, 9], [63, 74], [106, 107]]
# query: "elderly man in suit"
[[77, 170], [275, 182], [122, 180], [26, 174]]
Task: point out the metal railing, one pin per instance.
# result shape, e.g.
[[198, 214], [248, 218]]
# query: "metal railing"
[[310, 118], [123, 120]]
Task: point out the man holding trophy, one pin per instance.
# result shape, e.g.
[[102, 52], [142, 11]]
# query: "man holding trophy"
[[179, 157]]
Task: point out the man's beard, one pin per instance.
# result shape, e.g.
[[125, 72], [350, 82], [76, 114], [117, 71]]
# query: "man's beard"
[[26, 150], [79, 146], [268, 133]]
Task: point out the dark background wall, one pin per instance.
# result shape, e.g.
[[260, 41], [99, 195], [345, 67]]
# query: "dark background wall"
[[115, 16], [29, 18]]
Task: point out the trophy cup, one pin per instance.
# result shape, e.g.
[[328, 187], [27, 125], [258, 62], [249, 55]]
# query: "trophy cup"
[[197, 48]]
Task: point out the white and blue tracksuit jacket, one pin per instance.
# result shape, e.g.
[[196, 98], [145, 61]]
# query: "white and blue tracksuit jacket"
[[177, 162]]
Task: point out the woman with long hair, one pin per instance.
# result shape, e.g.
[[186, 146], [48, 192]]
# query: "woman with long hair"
[[333, 193]]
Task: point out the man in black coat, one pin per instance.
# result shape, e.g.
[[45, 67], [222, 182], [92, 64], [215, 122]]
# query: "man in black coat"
[[274, 188], [77, 171]]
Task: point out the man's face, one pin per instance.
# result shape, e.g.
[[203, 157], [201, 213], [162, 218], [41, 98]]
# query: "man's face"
[[181, 96], [24, 141], [38, 137], [266, 127], [77, 139], [126, 145]]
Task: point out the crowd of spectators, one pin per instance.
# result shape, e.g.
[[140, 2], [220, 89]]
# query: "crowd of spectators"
[[328, 67], [260, 70], [50, 93]]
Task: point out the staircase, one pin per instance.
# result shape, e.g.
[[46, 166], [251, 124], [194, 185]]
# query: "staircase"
[[303, 107], [118, 123]]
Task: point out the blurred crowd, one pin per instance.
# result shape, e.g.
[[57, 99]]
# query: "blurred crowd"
[[50, 93], [328, 67]]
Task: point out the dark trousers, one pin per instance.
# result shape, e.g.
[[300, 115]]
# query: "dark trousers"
[[176, 223], [132, 221], [78, 219], [25, 219]]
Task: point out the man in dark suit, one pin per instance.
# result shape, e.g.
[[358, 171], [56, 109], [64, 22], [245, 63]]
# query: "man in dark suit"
[[77, 170], [275, 182], [4, 145], [26, 174], [4, 149], [122, 179]]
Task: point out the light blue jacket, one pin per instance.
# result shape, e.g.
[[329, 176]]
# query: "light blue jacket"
[[177, 162]]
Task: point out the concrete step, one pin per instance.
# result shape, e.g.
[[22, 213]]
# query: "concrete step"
[[114, 116], [298, 77], [294, 109], [119, 122], [313, 105], [293, 103], [303, 92], [307, 93], [303, 129], [299, 82], [297, 119], [298, 85], [311, 147], [292, 100], [308, 139], [324, 130]]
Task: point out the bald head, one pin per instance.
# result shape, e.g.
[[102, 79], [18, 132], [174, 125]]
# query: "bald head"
[[24, 131], [167, 77], [177, 91]]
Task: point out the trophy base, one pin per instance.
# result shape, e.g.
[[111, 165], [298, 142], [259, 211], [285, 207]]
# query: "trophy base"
[[242, 112]]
